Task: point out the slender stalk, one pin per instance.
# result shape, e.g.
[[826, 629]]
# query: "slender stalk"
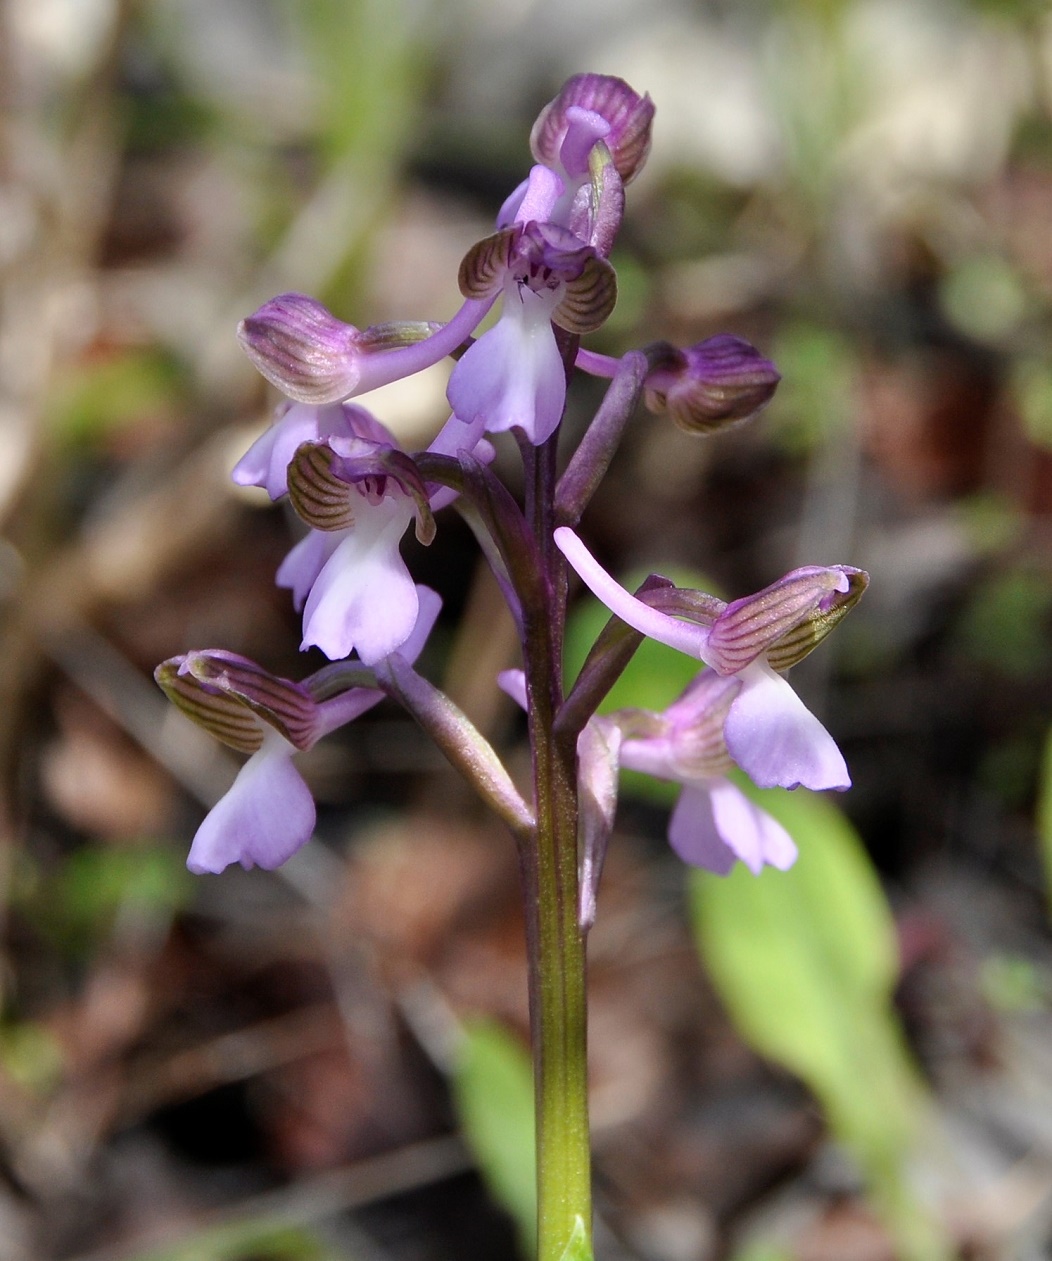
[[555, 939]]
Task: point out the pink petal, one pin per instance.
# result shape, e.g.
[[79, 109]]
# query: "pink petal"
[[264, 818], [513, 376], [694, 836], [305, 562], [775, 738], [364, 598], [756, 838]]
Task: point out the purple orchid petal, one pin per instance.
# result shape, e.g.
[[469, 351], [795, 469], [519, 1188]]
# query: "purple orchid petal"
[[694, 836], [714, 825], [750, 832], [364, 597], [301, 567], [513, 376], [266, 462], [775, 738], [264, 818], [686, 637]]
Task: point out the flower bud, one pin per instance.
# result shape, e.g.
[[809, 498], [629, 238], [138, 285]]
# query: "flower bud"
[[313, 357], [749, 627], [589, 108], [232, 697], [302, 348], [718, 382]]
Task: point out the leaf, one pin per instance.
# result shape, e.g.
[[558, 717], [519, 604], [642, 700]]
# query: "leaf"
[[493, 1092], [805, 962], [578, 1248], [1044, 814]]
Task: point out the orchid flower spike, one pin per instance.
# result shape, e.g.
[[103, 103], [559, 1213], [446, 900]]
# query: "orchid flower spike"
[[268, 812], [770, 733]]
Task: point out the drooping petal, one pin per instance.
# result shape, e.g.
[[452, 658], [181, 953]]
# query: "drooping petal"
[[513, 376], [775, 738], [264, 818], [693, 834], [364, 598], [750, 832], [714, 825]]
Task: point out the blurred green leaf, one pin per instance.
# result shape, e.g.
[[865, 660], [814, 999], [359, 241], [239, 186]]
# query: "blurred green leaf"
[[251, 1240], [78, 903], [100, 396], [493, 1093], [813, 400], [1006, 623], [984, 297], [31, 1055], [805, 962], [1031, 385], [1044, 814]]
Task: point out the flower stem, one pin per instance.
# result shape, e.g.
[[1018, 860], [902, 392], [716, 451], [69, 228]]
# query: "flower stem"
[[555, 939]]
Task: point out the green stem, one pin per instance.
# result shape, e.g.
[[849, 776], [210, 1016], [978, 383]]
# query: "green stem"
[[557, 992], [555, 940]]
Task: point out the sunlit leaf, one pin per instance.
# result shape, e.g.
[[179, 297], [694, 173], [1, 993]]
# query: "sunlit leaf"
[[805, 962], [493, 1092]]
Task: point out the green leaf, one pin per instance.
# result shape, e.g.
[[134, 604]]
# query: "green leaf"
[[805, 962], [493, 1093], [1044, 814], [578, 1248]]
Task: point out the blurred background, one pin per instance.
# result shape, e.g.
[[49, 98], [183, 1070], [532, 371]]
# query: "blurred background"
[[328, 1062]]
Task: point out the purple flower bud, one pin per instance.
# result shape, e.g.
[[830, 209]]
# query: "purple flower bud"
[[302, 348], [237, 700], [313, 357], [748, 627], [588, 109], [710, 385]]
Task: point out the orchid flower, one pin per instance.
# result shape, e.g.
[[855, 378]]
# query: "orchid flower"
[[770, 733], [513, 376], [268, 812]]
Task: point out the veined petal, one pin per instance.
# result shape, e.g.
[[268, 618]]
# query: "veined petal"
[[748, 627], [364, 597], [627, 114], [302, 348], [264, 818], [775, 738]]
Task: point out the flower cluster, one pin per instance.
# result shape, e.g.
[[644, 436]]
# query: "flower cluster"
[[547, 264]]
